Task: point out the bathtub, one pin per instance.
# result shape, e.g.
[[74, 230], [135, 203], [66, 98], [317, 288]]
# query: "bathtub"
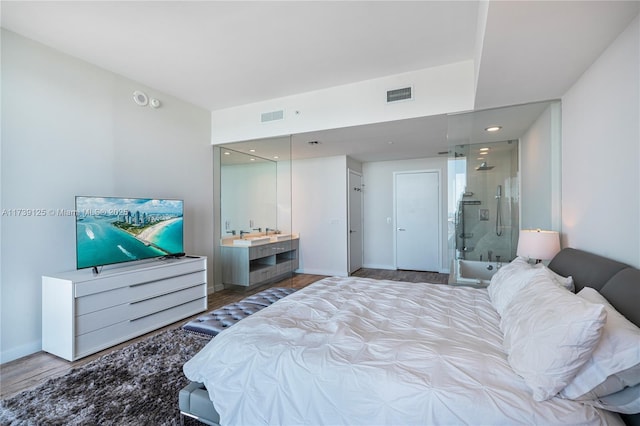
[[472, 272]]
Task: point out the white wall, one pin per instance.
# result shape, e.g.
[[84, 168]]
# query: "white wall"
[[437, 90], [319, 214], [378, 211], [70, 128], [601, 154], [540, 190]]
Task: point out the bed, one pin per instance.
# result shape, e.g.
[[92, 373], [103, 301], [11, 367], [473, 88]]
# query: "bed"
[[360, 351]]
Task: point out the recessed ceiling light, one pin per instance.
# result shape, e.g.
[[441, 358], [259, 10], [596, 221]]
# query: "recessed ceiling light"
[[275, 157], [480, 158], [484, 150], [227, 153], [252, 159], [252, 150], [493, 128]]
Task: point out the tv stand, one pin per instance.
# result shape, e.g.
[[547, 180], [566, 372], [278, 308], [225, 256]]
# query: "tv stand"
[[84, 313]]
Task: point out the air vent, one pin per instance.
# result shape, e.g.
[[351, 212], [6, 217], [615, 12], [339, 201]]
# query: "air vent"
[[266, 117], [396, 95]]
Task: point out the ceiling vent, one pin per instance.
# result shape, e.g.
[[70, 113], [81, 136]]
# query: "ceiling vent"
[[403, 94], [266, 117]]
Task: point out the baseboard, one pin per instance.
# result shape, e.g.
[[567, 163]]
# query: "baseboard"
[[374, 266], [322, 272], [20, 351]]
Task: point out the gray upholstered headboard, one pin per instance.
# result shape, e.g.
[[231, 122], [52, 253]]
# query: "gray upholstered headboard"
[[617, 282], [587, 269]]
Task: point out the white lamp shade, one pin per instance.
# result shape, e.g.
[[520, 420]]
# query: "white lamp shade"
[[537, 244]]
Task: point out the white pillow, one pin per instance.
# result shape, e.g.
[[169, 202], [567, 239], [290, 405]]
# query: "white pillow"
[[626, 401], [549, 334], [615, 363], [566, 282], [508, 281]]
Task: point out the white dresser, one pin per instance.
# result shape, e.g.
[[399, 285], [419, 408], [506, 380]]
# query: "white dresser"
[[83, 313]]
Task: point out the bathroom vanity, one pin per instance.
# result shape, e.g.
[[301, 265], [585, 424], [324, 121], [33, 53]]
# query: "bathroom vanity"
[[255, 260]]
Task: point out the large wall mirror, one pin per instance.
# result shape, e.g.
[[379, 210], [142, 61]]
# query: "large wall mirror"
[[248, 194], [255, 186]]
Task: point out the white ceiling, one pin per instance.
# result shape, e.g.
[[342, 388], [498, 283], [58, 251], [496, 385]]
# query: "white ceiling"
[[536, 50], [219, 54]]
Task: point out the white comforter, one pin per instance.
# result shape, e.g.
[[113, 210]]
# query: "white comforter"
[[355, 351]]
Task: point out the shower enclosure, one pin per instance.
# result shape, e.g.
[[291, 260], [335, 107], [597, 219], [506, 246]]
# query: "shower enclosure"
[[483, 209]]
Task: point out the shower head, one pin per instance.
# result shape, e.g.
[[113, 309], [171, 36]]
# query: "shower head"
[[483, 166]]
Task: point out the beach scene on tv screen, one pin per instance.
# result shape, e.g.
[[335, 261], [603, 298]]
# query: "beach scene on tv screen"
[[114, 230]]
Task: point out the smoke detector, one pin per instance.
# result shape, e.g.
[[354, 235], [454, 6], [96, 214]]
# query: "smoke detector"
[[140, 98]]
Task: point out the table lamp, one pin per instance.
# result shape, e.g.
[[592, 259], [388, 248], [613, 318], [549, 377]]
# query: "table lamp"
[[538, 245]]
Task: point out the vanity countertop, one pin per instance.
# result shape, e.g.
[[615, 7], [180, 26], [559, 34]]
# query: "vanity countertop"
[[251, 240]]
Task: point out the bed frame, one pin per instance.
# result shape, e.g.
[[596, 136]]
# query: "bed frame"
[[617, 282]]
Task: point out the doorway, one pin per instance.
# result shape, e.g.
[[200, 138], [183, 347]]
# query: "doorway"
[[417, 218], [354, 208]]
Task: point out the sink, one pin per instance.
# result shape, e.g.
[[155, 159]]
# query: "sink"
[[251, 241], [280, 237]]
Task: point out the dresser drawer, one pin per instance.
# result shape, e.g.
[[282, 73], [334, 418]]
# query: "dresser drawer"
[[131, 311], [116, 280], [102, 338], [98, 301]]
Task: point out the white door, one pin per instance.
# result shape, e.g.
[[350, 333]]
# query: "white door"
[[417, 202], [355, 221]]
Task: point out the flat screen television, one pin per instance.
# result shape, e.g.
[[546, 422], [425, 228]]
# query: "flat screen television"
[[113, 230]]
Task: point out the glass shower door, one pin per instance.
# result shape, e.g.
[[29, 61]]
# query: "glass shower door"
[[485, 212]]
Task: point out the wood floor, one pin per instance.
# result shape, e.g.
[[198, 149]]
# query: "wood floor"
[[30, 371]]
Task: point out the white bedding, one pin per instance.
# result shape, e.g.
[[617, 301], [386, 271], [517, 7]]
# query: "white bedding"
[[366, 352]]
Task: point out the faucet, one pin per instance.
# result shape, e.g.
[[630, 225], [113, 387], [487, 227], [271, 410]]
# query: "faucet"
[[233, 232], [266, 230], [257, 229], [244, 232], [490, 253]]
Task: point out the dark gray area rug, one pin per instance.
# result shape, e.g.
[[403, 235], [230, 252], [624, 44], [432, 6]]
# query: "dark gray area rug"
[[135, 385]]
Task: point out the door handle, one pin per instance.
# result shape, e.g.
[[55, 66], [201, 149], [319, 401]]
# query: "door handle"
[[401, 229]]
